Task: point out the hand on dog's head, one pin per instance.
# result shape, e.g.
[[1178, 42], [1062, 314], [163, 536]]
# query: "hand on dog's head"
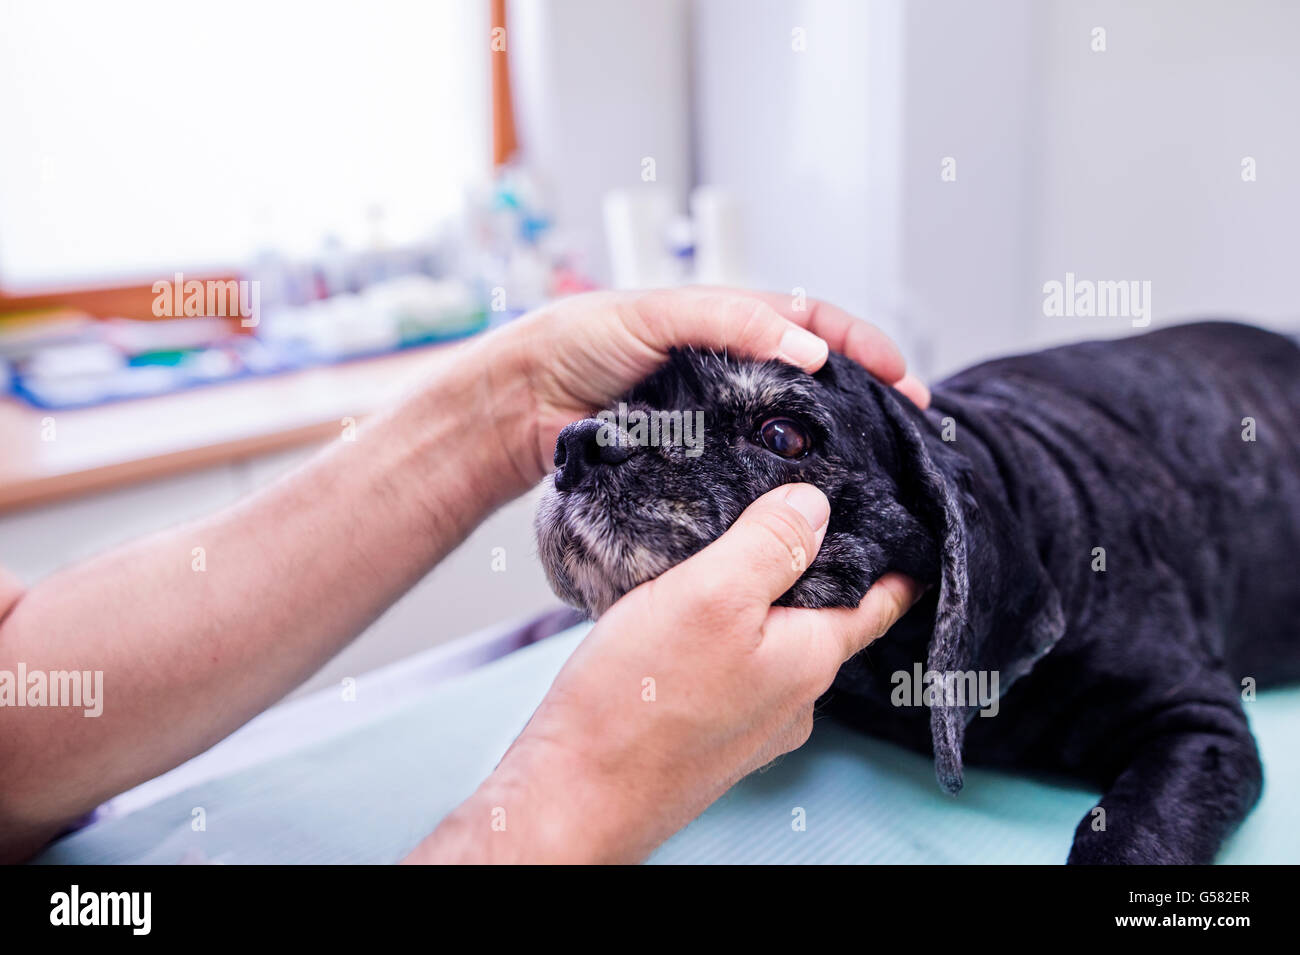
[[636, 493]]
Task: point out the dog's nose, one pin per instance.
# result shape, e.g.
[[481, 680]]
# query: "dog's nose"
[[582, 447]]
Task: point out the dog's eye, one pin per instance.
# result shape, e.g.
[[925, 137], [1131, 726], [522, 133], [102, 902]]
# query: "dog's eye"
[[784, 437]]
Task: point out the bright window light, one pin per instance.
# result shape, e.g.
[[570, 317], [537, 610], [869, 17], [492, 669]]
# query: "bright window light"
[[139, 137]]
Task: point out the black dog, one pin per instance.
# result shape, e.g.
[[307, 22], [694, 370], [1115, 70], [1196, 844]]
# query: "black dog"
[[1113, 529]]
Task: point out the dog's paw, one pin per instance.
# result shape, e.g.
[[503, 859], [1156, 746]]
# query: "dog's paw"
[[1128, 844]]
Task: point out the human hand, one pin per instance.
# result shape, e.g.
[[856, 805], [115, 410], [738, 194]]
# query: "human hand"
[[580, 353], [684, 686]]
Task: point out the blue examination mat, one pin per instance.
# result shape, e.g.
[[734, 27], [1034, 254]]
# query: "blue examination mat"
[[370, 794]]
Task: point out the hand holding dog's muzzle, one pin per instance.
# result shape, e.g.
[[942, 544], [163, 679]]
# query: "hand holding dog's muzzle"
[[685, 685], [759, 558]]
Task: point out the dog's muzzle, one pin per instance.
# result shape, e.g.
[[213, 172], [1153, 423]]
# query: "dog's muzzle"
[[583, 447]]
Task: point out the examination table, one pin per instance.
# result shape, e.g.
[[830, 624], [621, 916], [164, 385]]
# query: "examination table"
[[328, 779]]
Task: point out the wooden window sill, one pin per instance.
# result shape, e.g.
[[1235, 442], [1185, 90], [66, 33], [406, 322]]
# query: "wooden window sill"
[[106, 446]]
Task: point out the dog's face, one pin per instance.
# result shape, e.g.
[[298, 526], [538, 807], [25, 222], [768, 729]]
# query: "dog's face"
[[646, 485]]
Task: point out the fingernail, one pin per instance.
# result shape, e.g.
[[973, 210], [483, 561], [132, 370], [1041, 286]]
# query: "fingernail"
[[811, 503], [801, 347]]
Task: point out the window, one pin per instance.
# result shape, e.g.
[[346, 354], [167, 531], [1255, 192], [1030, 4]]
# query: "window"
[[140, 137]]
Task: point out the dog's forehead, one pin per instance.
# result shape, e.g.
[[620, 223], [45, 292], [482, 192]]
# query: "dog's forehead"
[[751, 384]]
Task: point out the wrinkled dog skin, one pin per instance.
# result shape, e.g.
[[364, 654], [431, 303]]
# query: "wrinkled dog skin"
[[1128, 678]]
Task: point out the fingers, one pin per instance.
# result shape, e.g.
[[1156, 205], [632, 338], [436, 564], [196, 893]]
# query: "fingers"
[[886, 602], [11, 588], [726, 321], [819, 641], [772, 325], [763, 553], [845, 333], [912, 387]]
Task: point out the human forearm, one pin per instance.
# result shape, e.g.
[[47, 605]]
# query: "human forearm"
[[544, 806], [193, 645]]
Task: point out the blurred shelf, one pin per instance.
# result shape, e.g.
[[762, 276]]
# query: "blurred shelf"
[[113, 444]]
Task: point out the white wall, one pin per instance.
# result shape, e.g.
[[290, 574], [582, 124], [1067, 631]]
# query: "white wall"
[[1142, 149], [967, 94], [598, 87], [836, 152], [787, 130], [1116, 165]]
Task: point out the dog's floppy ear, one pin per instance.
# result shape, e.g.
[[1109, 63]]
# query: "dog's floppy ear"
[[949, 649], [1015, 617]]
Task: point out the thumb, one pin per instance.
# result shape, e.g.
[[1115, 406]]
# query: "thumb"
[[766, 550]]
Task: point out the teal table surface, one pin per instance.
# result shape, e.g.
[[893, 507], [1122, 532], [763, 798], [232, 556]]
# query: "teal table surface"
[[369, 795]]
